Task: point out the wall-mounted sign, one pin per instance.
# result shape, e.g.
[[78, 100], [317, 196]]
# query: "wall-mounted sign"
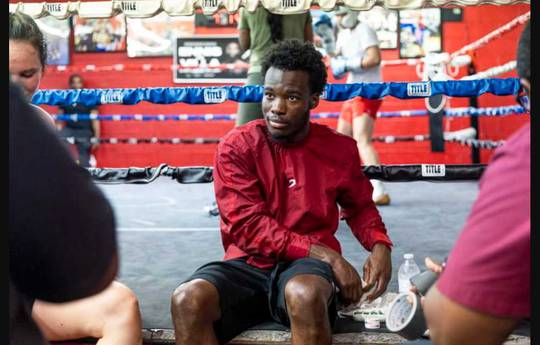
[[209, 59], [100, 35], [155, 36], [56, 32], [419, 32], [385, 24]]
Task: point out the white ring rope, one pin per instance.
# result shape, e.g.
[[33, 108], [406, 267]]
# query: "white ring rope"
[[492, 72], [492, 35]]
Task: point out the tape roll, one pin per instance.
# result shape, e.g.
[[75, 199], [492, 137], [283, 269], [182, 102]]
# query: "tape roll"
[[405, 318]]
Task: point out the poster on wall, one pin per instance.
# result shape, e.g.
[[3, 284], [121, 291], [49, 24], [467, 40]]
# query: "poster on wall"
[[419, 32], [100, 35], [385, 23], [155, 36], [56, 32], [209, 59], [220, 19]]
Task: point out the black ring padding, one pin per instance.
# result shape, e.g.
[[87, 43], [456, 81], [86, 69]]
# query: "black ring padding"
[[190, 174], [202, 174], [413, 172], [126, 175]]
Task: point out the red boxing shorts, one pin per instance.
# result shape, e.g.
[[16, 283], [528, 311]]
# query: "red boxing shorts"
[[359, 106]]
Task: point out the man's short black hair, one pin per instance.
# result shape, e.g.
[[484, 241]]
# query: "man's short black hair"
[[293, 55], [524, 53]]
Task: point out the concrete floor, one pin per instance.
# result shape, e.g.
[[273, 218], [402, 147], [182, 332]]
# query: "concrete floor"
[[165, 234]]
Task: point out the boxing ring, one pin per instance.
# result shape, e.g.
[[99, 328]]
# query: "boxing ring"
[[164, 233]]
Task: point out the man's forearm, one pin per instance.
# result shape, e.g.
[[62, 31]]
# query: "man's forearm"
[[323, 253]]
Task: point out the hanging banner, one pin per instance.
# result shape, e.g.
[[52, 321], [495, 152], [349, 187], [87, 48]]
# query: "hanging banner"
[[209, 59]]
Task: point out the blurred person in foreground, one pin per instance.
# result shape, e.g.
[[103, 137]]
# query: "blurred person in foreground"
[[484, 290], [112, 315]]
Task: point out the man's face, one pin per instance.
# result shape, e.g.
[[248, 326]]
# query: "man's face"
[[286, 104], [233, 49], [76, 83]]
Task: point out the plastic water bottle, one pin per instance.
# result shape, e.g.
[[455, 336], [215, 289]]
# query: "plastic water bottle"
[[407, 269]]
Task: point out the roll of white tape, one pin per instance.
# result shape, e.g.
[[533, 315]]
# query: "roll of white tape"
[[406, 318]]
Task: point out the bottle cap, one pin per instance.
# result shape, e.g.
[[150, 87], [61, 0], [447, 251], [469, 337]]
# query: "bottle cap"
[[408, 256]]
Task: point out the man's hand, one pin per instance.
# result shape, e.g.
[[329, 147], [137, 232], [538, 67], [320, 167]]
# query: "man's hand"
[[432, 266], [378, 270], [338, 65], [347, 278]]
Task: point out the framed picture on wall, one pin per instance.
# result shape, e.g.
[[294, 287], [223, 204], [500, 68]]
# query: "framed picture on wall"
[[155, 36], [385, 23], [56, 32], [100, 35], [220, 19], [420, 32], [209, 59]]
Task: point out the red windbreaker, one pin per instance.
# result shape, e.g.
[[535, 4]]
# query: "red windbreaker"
[[275, 200]]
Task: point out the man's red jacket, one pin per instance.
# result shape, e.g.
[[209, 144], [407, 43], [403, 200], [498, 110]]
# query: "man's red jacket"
[[275, 200]]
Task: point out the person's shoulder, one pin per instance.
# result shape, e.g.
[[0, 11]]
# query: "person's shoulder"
[[516, 147], [43, 114], [521, 138], [331, 135], [365, 29]]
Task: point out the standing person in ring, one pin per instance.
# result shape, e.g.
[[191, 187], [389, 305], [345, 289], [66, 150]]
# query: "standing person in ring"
[[358, 52], [111, 315], [82, 131], [257, 32]]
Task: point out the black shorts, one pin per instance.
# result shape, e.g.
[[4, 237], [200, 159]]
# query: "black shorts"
[[249, 295]]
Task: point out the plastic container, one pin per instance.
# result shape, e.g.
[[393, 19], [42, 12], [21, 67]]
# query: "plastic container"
[[408, 269]]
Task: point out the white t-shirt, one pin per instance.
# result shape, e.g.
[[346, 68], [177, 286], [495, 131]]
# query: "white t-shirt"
[[352, 43]]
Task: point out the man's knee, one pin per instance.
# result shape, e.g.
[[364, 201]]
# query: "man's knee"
[[196, 298], [307, 295]]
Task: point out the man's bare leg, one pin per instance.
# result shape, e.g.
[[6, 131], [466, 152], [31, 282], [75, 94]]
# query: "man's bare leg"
[[194, 308], [307, 297], [362, 132], [344, 127]]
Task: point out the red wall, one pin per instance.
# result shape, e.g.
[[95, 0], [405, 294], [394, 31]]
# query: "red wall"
[[477, 22]]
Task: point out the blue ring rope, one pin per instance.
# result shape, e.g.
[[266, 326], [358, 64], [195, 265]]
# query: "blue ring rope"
[[254, 93]]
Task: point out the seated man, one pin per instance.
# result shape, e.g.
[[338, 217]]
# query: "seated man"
[[278, 183]]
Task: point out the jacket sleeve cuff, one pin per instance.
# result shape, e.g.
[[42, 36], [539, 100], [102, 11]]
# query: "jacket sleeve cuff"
[[380, 237], [297, 248]]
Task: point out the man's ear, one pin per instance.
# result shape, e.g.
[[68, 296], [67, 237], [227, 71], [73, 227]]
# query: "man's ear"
[[313, 101]]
